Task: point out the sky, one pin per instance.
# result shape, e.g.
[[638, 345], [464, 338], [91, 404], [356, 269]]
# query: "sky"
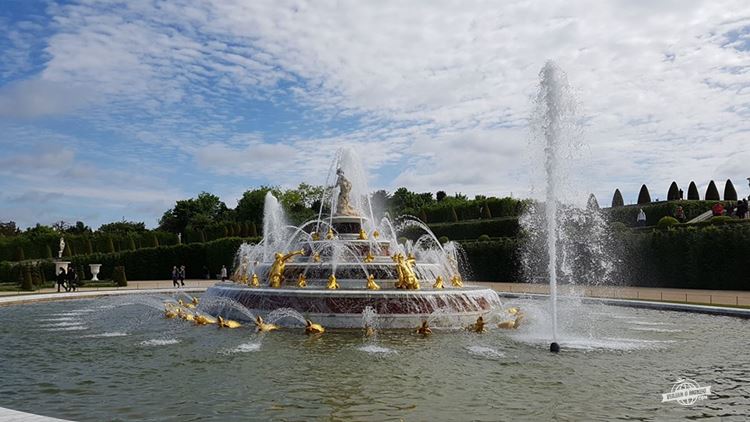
[[114, 110]]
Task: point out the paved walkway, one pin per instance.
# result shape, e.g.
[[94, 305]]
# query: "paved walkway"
[[708, 297]]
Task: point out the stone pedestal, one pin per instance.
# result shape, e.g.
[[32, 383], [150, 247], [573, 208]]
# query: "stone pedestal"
[[94, 268], [61, 264]]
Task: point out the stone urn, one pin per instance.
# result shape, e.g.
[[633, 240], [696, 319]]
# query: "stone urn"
[[94, 268], [59, 265]]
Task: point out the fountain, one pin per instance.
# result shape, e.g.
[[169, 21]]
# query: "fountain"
[[333, 268]]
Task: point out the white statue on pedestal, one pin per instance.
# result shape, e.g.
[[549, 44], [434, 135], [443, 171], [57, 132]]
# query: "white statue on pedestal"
[[62, 247]]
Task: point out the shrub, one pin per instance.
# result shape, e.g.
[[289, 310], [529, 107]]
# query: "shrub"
[[730, 194], [674, 192], [618, 226], [617, 200], [118, 276], [693, 194], [484, 238], [712, 194], [666, 221], [443, 240], [643, 196], [721, 219]]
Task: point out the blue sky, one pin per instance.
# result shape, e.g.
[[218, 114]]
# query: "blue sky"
[[113, 110]]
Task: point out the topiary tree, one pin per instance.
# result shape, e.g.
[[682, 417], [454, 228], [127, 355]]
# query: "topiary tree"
[[643, 196], [89, 246], [454, 216], [110, 245], [693, 194], [712, 194], [674, 192], [48, 252], [27, 280], [440, 195], [666, 221], [486, 213], [730, 194], [484, 238], [592, 203], [617, 200], [443, 239], [253, 230], [156, 240], [423, 215], [131, 243], [118, 276], [20, 255]]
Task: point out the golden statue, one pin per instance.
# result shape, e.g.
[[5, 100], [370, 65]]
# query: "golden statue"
[[371, 284], [276, 276], [301, 281], [194, 301], [264, 326], [204, 320], [255, 281], [169, 311], [332, 283], [345, 187], [186, 305], [407, 279], [316, 257], [312, 328], [330, 235], [369, 257], [376, 234], [424, 329], [185, 315], [438, 283], [512, 323], [315, 236], [477, 327], [362, 234], [369, 331], [241, 273], [456, 281], [227, 323]]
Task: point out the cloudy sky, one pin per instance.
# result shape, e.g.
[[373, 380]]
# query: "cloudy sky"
[[115, 109]]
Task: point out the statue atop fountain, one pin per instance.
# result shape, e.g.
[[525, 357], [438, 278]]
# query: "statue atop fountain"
[[345, 187]]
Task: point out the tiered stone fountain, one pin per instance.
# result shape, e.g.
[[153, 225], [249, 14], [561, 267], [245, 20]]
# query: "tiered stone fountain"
[[334, 268]]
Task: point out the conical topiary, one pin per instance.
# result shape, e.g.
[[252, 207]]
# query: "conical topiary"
[[592, 203], [89, 246], [712, 194], [131, 243], [643, 196], [20, 255], [617, 200], [48, 251], [454, 216], [486, 213], [253, 230], [674, 192], [156, 240], [693, 194], [730, 194]]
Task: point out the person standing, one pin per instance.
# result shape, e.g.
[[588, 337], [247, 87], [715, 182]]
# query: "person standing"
[[72, 279], [679, 214], [175, 276], [61, 278], [223, 273], [182, 275]]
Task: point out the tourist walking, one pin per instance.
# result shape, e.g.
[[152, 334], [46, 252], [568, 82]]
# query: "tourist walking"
[[175, 276], [223, 273], [61, 278], [641, 220], [182, 275], [679, 214], [72, 279], [742, 208]]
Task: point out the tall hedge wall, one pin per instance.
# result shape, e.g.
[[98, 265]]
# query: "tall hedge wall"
[[471, 230], [42, 246], [494, 260], [442, 212]]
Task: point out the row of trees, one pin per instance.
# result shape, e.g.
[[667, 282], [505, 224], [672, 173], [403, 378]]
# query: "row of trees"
[[675, 193]]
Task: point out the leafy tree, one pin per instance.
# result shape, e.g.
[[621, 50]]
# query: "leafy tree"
[[405, 201], [674, 192], [60, 226], [250, 206], [39, 231], [440, 195], [197, 213], [9, 229], [617, 200], [730, 194], [643, 196], [693, 194], [712, 194], [123, 227]]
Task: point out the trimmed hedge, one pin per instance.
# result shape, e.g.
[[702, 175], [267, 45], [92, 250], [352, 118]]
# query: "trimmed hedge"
[[46, 246], [494, 260], [471, 230], [451, 211], [654, 212]]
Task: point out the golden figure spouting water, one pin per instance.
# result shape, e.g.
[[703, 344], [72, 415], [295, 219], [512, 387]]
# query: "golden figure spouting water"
[[301, 281], [438, 283], [332, 283], [369, 257], [264, 326], [407, 279], [316, 257], [227, 323], [276, 275], [312, 328], [204, 320], [478, 326], [371, 284], [376, 234], [330, 235], [315, 236], [255, 282], [424, 329], [362, 234], [456, 281]]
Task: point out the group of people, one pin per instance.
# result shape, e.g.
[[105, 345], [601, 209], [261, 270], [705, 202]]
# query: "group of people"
[[67, 279], [178, 275], [740, 211]]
